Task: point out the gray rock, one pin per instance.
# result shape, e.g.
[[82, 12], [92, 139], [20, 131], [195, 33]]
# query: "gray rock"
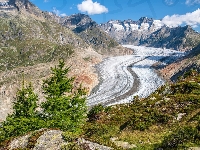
[[20, 142], [92, 146], [50, 140]]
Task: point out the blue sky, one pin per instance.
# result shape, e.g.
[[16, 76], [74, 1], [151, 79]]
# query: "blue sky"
[[105, 10]]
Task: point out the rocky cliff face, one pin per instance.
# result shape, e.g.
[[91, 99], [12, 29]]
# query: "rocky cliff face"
[[19, 5], [153, 33]]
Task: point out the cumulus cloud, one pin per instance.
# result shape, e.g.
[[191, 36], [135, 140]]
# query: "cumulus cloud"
[[91, 7], [192, 2], [192, 19]]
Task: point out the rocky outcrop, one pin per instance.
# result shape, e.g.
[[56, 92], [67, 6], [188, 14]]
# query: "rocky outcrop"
[[45, 139]]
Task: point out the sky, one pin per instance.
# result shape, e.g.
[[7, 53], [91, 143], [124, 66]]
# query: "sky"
[[172, 12]]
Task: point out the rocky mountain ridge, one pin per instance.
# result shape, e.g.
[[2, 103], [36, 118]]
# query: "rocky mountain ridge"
[[83, 26], [154, 33]]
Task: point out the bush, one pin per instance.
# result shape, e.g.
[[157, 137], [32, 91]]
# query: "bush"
[[180, 137], [94, 113], [71, 138]]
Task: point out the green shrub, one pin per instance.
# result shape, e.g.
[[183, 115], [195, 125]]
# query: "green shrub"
[[180, 137], [70, 136], [71, 146], [94, 113]]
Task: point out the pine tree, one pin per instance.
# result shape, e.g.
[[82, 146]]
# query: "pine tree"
[[24, 118], [65, 107]]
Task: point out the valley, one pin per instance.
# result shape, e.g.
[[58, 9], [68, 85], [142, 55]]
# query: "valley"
[[69, 82], [123, 77]]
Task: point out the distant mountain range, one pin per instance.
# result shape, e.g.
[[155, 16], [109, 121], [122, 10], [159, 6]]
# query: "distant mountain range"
[[154, 33]]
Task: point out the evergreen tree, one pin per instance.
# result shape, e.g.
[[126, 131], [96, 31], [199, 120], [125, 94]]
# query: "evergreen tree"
[[24, 118], [65, 107]]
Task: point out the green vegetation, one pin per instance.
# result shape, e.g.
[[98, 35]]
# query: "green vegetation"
[[182, 135], [167, 119], [153, 122], [24, 118], [64, 108], [27, 41]]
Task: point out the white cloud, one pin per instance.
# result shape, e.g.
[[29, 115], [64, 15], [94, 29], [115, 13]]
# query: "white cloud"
[[192, 2], [46, 1], [91, 7], [192, 19], [57, 12], [63, 14]]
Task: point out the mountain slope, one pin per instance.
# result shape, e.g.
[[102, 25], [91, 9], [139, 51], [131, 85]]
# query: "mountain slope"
[[30, 47], [27, 41], [32, 41], [172, 71]]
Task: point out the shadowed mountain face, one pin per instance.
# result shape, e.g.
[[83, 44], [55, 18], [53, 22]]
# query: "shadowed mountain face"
[[153, 33], [179, 38], [83, 26]]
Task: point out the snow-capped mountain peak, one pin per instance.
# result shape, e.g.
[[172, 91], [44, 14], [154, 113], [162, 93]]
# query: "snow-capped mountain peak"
[[120, 30], [150, 32]]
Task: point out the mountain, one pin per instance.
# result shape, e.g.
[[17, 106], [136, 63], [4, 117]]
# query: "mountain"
[[179, 38], [149, 32], [83, 26], [130, 32]]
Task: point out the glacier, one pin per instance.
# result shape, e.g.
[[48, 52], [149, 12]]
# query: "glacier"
[[123, 77]]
